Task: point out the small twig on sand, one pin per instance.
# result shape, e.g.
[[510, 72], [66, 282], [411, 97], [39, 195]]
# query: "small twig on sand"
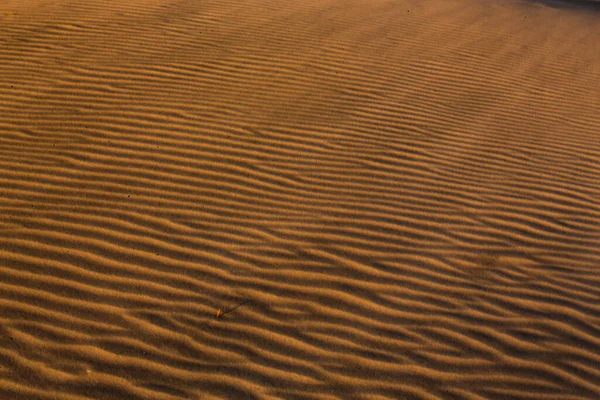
[[221, 313]]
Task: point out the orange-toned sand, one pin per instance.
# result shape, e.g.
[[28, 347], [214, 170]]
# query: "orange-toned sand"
[[385, 199]]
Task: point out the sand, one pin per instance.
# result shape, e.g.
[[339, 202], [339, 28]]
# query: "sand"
[[385, 199]]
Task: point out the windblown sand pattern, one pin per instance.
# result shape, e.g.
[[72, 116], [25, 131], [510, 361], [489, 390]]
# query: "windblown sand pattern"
[[385, 199]]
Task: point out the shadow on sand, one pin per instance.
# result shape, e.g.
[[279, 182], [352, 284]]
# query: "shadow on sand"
[[588, 5]]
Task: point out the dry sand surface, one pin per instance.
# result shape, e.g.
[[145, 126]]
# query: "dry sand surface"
[[386, 199]]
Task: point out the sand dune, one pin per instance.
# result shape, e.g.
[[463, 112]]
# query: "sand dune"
[[385, 199]]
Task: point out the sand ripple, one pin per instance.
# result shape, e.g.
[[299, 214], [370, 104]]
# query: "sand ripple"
[[386, 200]]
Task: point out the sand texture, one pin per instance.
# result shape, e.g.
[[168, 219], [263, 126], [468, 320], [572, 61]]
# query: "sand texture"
[[385, 199]]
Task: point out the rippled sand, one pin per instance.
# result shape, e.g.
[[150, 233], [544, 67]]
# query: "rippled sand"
[[384, 199]]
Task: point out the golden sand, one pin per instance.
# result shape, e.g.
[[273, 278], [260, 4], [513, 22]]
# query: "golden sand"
[[310, 199]]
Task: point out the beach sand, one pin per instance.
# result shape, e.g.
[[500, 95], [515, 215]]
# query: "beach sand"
[[381, 199]]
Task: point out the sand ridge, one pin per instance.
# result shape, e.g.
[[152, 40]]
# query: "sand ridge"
[[387, 200]]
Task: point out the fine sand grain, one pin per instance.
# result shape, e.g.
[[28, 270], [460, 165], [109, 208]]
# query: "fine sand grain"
[[385, 199]]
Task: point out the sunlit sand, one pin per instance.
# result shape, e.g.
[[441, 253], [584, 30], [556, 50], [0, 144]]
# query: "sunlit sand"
[[313, 199]]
